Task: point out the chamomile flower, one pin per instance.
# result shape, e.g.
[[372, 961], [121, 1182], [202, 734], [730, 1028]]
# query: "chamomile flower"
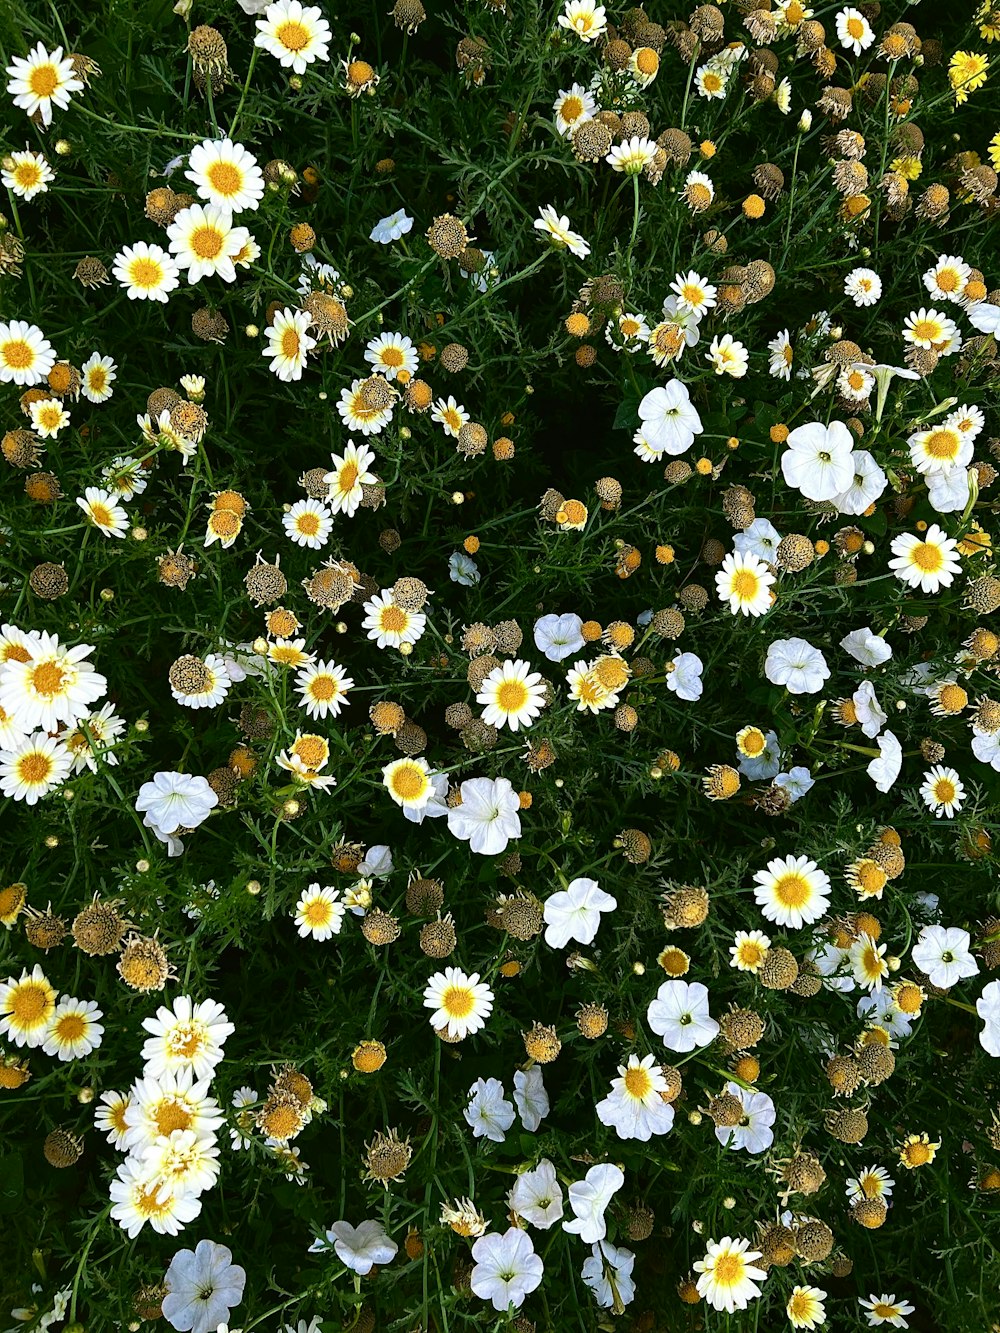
[[295, 34], [94, 735], [357, 413], [748, 950], [28, 174], [967, 419], [200, 682], [586, 18], [408, 782], [392, 355], [632, 156], [711, 81], [854, 31], [450, 415], [572, 107], [863, 286], [319, 913], [348, 477], [694, 295], [189, 1035], [204, 242], [939, 449], [868, 962], [146, 272], [42, 81], [461, 1002], [559, 232], [929, 562], [805, 1308], [323, 688], [138, 1198], [389, 624], [110, 1117], [99, 373], [26, 355], [289, 343], [27, 1004], [634, 1109], [74, 1029], [873, 1182], [855, 383], [48, 417], [947, 279], [226, 174], [512, 695], [942, 791], [727, 1275], [728, 356], [308, 523], [745, 583], [885, 1310], [792, 891], [928, 328]]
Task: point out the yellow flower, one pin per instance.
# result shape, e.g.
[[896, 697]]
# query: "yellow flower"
[[967, 72], [907, 166], [994, 151]]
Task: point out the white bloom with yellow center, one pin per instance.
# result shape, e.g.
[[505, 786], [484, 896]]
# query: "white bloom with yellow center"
[[868, 962], [710, 81], [138, 1198], [695, 296], [209, 689], [31, 768], [587, 691], [26, 355], [204, 242], [461, 1002], [27, 175], [323, 688], [885, 1309], [792, 891], [54, 684], [295, 34], [99, 373], [928, 328], [805, 1308], [634, 1108], [744, 582], [183, 1161], [289, 343], [348, 477], [188, 1035], [393, 355], [748, 950], [104, 511], [558, 230], [319, 913], [27, 1004], [942, 791], [110, 1117], [573, 107], [512, 695], [146, 272], [451, 415], [356, 414], [728, 1278], [782, 356], [947, 280], [308, 523], [584, 17], [391, 625], [226, 174], [42, 81], [158, 1106], [939, 449], [408, 782], [874, 1182], [74, 1029], [929, 562], [632, 156], [289, 653], [48, 417], [854, 31]]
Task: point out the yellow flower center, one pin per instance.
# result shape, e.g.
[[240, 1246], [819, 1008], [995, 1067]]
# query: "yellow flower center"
[[638, 1083], [944, 791], [18, 354], [885, 1311], [44, 80], [293, 36], [308, 523], [145, 273], [792, 890], [943, 444], [409, 782], [927, 557], [745, 585], [34, 768], [148, 1203], [101, 514], [98, 379], [47, 678], [71, 1027], [512, 696], [347, 478], [751, 953], [458, 1001], [290, 344], [323, 688], [206, 242], [646, 60], [318, 912], [728, 1270], [312, 750], [855, 28], [225, 178], [391, 357], [171, 1115], [926, 330], [711, 81], [392, 620], [31, 1003], [572, 109], [27, 174]]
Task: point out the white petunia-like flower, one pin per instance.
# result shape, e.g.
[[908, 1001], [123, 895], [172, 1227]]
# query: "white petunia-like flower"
[[574, 913], [589, 1199], [761, 539], [559, 636], [754, 1133], [608, 1274], [173, 801], [988, 1009], [818, 460], [669, 420], [360, 1248], [679, 1014], [487, 817], [885, 768], [392, 228], [530, 1097], [797, 665], [634, 1108], [870, 714], [506, 1269], [866, 647], [943, 954], [684, 676], [488, 1112], [867, 485], [537, 1196], [203, 1285]]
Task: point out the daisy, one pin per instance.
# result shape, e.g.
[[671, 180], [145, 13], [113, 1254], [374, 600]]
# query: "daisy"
[[187, 1036], [572, 107], [632, 156], [728, 1277], [183, 1161], [698, 192], [461, 1002], [289, 343], [26, 355], [391, 625], [874, 1182], [817, 460], [225, 174], [30, 769], [627, 332], [99, 373], [854, 31], [289, 653], [868, 962], [138, 1198], [805, 1308], [204, 242], [928, 328], [939, 449], [634, 1108], [48, 417], [26, 1007], [672, 336], [679, 1014], [559, 231], [885, 1310], [408, 782], [744, 582], [782, 356], [792, 891], [319, 913], [200, 683], [967, 420], [748, 950], [863, 286], [855, 384], [947, 280], [393, 354], [942, 791], [110, 1117], [308, 523], [644, 65], [323, 687], [584, 17], [356, 413], [710, 81], [728, 356], [28, 174], [146, 272], [486, 816], [42, 81], [74, 1029], [295, 34], [93, 736], [513, 694], [929, 563], [348, 477]]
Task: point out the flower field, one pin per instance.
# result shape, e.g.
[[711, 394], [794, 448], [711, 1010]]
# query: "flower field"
[[499, 652]]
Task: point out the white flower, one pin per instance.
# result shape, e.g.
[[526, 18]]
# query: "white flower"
[[761, 539], [863, 286], [754, 1133], [226, 174], [104, 511], [295, 34], [988, 1009], [53, 684], [187, 1037], [488, 1112], [507, 1269], [669, 420], [172, 801], [512, 695], [203, 1285], [805, 1308], [940, 448], [782, 356], [885, 1310], [608, 1274], [632, 156], [942, 952], [745, 583], [929, 562], [884, 770], [818, 461], [634, 1108], [572, 107], [348, 477], [392, 228], [289, 343], [950, 491], [854, 31], [392, 354], [363, 1246], [461, 1003], [74, 1029], [137, 1198], [584, 17], [537, 1196], [28, 174], [487, 817], [868, 962], [589, 1199], [559, 637], [530, 1097], [797, 665], [795, 783], [684, 676], [557, 227], [319, 913], [26, 355], [574, 913], [867, 485], [389, 624], [710, 81], [679, 1014], [942, 791], [928, 328], [870, 713], [99, 373], [44, 80], [866, 647], [728, 356], [462, 569], [728, 1277], [792, 891]]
